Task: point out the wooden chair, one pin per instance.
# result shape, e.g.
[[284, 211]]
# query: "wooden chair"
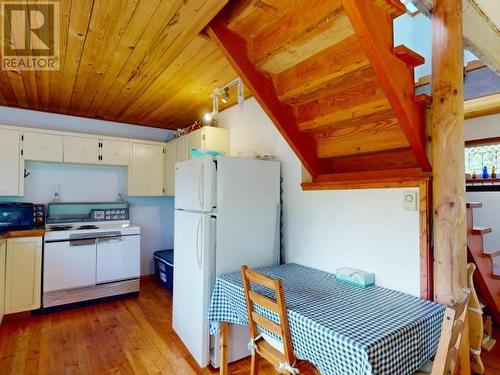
[[446, 359], [283, 359]]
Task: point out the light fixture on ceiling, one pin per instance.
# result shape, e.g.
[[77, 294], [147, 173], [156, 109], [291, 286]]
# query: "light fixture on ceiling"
[[225, 98]]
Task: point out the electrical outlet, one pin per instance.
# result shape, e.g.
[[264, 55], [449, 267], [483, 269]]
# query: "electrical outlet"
[[410, 200]]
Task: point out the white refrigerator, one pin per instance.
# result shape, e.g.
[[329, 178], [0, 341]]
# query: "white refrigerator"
[[227, 213]]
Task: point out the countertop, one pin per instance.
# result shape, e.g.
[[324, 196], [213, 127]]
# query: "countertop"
[[34, 232]]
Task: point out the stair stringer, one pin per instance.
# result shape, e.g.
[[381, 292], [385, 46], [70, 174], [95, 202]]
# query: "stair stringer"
[[394, 75]]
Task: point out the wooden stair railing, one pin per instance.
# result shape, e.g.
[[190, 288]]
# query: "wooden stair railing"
[[486, 280], [333, 83]]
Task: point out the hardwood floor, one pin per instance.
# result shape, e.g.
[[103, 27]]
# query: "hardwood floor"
[[128, 336], [492, 358]]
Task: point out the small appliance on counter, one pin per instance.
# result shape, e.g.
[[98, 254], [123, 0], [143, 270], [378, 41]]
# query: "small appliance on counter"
[[20, 215], [91, 251]]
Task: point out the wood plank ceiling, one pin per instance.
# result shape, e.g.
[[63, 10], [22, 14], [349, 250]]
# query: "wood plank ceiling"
[[132, 61]]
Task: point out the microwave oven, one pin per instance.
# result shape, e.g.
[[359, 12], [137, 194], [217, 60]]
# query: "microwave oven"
[[14, 215]]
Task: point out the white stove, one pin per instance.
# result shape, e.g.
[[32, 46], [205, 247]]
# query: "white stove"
[[88, 253], [57, 232]]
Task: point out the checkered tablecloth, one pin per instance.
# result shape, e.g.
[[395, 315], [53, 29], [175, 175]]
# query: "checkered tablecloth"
[[340, 328]]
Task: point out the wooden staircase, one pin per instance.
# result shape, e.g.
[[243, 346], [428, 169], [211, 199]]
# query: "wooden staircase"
[[487, 278], [333, 83]]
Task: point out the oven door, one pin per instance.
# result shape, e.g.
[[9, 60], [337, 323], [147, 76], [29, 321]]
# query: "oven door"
[[118, 258], [69, 264]]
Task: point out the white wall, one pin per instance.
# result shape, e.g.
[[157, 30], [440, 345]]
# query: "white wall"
[[488, 215], [77, 183], [482, 127], [365, 229]]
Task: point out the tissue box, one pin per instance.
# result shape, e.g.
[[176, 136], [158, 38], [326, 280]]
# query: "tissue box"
[[355, 277]]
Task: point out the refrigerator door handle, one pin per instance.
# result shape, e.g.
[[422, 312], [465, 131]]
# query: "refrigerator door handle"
[[201, 187], [198, 255]]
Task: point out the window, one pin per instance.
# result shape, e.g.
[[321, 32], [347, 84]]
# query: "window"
[[479, 156]]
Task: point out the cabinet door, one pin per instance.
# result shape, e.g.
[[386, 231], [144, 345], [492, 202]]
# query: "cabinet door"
[[2, 278], [115, 152], [146, 172], [81, 150], [170, 161], [42, 147], [195, 140], [10, 162], [23, 274], [118, 258], [216, 139], [182, 148]]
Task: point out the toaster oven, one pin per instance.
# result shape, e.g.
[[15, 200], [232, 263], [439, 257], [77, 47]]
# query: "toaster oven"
[[15, 215]]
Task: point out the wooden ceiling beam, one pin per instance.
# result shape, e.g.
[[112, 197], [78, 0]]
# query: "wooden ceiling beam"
[[395, 76], [394, 178], [484, 106], [481, 35], [234, 49]]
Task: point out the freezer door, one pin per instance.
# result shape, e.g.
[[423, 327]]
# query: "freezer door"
[[248, 213], [191, 294], [195, 185]]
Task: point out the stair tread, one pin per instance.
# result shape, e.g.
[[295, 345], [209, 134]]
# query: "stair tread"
[[492, 253], [474, 204], [408, 56], [481, 230], [394, 7]]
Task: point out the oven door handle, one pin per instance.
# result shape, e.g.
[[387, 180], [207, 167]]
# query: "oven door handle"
[[109, 239], [84, 242]]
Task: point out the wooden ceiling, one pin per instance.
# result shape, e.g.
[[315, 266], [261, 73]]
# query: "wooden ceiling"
[[133, 61]]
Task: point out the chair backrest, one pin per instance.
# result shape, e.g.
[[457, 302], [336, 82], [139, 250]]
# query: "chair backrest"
[[446, 360], [277, 306]]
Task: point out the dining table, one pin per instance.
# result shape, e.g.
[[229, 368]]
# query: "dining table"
[[341, 328]]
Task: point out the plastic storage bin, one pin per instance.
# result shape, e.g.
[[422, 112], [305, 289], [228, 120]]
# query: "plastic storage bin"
[[164, 267]]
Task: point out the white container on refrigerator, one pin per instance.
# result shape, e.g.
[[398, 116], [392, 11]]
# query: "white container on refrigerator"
[[227, 214]]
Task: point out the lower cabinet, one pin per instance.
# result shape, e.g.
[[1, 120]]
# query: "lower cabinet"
[[2, 278], [23, 269]]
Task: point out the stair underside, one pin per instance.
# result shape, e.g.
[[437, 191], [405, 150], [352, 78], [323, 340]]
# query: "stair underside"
[[335, 89]]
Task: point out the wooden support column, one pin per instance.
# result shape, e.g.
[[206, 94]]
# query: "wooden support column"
[[450, 226]]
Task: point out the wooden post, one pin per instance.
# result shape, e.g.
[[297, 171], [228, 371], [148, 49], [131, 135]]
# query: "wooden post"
[[224, 337], [450, 226]]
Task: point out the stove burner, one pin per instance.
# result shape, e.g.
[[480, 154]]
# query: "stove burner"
[[83, 227], [60, 227]]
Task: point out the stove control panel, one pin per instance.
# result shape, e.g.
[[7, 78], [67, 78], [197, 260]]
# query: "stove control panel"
[[110, 215]]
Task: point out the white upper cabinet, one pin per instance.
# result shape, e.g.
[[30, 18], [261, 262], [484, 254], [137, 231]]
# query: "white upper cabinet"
[[147, 169], [114, 152], [42, 147], [170, 161], [181, 145], [211, 138], [11, 165], [81, 150]]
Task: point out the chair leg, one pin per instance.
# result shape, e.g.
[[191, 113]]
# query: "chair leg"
[[254, 366]]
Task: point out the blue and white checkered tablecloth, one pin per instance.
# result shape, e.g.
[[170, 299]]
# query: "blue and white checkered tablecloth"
[[340, 328]]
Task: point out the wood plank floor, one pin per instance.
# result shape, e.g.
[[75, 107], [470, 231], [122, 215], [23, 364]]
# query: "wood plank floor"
[[129, 336]]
